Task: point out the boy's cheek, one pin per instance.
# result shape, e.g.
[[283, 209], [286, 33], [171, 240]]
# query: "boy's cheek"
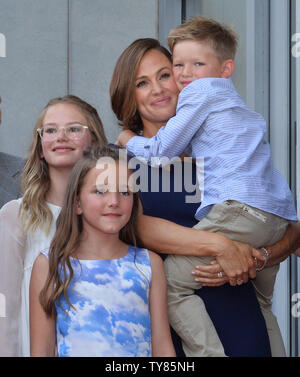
[[177, 78], [176, 73], [179, 85]]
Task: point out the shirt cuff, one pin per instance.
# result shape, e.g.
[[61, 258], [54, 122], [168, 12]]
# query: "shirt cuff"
[[137, 145]]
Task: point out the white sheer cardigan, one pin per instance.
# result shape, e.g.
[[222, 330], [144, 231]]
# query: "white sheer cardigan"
[[17, 255]]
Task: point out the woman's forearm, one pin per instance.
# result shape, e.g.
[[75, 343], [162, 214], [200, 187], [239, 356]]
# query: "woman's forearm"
[[167, 237], [287, 245]]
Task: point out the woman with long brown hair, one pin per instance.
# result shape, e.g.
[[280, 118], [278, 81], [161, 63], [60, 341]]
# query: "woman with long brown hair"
[[64, 129], [144, 97]]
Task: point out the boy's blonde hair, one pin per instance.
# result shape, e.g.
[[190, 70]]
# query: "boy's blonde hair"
[[222, 38]]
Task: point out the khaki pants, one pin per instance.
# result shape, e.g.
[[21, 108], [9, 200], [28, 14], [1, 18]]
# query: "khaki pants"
[[187, 313]]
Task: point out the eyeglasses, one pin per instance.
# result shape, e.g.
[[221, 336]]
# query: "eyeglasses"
[[73, 132]]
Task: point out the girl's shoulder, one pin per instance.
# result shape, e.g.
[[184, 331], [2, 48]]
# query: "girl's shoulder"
[[138, 253], [41, 265], [141, 258], [40, 271], [149, 257], [45, 252], [157, 267], [155, 259], [141, 253]]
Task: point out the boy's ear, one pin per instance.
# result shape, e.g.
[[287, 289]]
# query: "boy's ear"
[[227, 68], [78, 207]]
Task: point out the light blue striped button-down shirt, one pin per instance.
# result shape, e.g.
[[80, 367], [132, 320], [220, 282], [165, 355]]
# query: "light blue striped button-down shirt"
[[212, 121]]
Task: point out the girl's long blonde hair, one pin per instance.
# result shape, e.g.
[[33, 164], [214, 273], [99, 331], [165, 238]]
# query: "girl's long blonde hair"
[[34, 210], [69, 229]]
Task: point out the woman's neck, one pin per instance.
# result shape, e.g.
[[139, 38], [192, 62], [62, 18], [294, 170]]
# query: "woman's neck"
[[151, 129], [59, 180]]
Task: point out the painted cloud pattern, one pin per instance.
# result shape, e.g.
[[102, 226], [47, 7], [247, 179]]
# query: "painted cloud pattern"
[[111, 301]]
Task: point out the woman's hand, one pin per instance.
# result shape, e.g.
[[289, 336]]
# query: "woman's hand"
[[215, 275], [210, 276], [236, 260]]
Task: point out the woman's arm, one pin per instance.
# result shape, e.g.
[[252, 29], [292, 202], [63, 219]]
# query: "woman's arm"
[[286, 246], [167, 237], [12, 241], [162, 345], [42, 327], [208, 275]]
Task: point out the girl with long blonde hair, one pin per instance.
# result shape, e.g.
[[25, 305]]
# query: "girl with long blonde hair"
[[64, 129], [105, 296]]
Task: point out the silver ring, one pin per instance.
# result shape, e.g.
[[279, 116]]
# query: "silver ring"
[[239, 282], [220, 274]]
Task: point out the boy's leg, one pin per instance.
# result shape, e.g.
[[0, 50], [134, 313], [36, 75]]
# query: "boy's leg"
[[241, 223], [258, 228], [264, 287], [187, 312]]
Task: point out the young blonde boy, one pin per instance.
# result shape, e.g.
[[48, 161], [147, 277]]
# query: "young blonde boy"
[[244, 198]]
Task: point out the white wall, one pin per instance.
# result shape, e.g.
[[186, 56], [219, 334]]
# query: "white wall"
[[58, 47]]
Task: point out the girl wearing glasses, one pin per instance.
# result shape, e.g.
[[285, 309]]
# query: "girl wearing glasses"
[[64, 129]]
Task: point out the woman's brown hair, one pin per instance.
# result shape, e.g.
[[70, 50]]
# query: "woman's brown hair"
[[122, 86], [69, 228]]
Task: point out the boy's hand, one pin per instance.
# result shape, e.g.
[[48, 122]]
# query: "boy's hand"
[[124, 137]]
